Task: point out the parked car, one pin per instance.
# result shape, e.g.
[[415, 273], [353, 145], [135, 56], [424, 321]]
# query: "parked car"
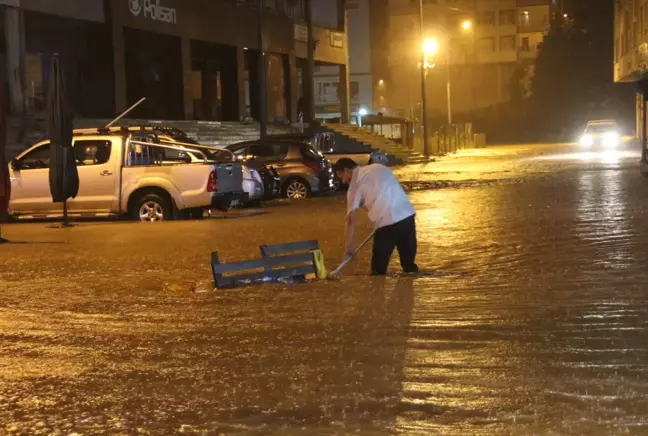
[[269, 179], [121, 175], [260, 182], [302, 170], [325, 143]]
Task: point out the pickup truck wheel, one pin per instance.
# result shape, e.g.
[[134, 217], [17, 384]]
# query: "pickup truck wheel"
[[152, 208], [296, 189]]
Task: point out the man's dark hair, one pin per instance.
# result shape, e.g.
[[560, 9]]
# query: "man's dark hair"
[[344, 164]]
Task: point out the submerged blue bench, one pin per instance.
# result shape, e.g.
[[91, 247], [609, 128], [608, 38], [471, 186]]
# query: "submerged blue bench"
[[291, 260]]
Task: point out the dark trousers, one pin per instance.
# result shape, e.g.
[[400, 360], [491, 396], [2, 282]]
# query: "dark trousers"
[[401, 235]]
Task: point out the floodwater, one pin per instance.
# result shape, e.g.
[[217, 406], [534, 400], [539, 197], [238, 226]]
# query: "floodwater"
[[530, 317]]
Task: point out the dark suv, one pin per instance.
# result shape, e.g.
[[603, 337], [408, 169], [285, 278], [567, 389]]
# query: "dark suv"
[[302, 169]]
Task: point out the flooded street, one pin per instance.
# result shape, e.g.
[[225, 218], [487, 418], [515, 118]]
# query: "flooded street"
[[529, 318]]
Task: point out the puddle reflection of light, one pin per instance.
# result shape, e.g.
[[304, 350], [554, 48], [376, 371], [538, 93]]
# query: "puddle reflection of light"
[[606, 156]]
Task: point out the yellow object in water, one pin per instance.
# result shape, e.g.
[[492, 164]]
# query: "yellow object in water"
[[320, 268]]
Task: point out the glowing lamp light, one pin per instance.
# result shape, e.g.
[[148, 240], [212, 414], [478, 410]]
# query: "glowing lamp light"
[[362, 112], [466, 25], [430, 46]]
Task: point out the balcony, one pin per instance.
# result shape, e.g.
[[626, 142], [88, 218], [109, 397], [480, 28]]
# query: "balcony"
[[532, 53]]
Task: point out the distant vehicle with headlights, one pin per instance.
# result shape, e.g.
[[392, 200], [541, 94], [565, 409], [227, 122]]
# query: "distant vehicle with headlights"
[[602, 134]]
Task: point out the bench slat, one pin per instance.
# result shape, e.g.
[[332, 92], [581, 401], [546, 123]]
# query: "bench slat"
[[231, 281], [271, 250], [224, 268]]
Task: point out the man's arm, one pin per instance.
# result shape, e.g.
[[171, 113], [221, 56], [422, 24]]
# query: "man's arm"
[[350, 232]]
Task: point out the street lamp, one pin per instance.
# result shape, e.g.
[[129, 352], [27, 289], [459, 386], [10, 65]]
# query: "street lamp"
[[430, 46], [466, 25]]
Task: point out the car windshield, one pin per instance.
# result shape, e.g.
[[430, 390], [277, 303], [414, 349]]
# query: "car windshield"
[[596, 129]]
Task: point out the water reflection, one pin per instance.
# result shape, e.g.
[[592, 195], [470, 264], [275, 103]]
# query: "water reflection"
[[602, 220]]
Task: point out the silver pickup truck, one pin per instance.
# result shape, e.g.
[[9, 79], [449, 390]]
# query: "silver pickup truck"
[[119, 175]]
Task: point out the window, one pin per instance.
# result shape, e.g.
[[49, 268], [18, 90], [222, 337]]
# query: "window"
[[524, 19], [487, 45], [487, 18], [525, 46], [507, 43], [355, 91], [507, 17], [272, 152], [91, 152], [38, 158], [263, 151]]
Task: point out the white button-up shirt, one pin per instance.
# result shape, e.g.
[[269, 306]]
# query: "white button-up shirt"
[[375, 188]]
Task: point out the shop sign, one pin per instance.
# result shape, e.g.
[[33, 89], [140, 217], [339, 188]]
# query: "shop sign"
[[301, 33], [336, 39], [152, 10]]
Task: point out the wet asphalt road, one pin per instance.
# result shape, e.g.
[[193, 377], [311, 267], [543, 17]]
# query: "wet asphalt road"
[[530, 317]]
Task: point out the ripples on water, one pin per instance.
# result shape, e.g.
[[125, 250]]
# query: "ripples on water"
[[530, 320], [547, 336]]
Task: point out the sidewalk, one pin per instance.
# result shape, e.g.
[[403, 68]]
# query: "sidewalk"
[[479, 164]]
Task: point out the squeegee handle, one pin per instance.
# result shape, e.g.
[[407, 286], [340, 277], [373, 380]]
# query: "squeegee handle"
[[350, 258]]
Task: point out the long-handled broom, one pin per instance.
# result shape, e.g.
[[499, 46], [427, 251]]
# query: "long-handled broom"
[[321, 269]]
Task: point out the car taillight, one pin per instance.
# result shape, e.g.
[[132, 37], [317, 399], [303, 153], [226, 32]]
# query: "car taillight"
[[316, 166], [211, 182]]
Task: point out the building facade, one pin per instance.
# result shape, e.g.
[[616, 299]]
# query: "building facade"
[[191, 59], [361, 81], [483, 47], [631, 56]]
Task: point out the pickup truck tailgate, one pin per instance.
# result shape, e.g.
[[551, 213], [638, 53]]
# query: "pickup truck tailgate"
[[229, 177]]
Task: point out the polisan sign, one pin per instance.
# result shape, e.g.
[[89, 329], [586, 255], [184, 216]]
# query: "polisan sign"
[[152, 10]]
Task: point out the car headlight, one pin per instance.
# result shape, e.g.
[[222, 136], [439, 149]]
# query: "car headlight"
[[611, 139], [586, 141]]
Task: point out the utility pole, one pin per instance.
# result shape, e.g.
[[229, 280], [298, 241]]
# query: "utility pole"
[[15, 47], [307, 77], [426, 147], [448, 88], [263, 79]]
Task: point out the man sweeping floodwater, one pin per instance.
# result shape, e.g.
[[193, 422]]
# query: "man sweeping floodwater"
[[375, 188]]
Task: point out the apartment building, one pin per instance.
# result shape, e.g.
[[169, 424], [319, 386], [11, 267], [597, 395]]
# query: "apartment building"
[[482, 46]]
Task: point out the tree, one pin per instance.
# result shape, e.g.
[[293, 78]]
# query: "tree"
[[573, 78]]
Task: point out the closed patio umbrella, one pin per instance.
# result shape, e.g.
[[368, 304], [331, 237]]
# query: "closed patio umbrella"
[[63, 175], [5, 183]]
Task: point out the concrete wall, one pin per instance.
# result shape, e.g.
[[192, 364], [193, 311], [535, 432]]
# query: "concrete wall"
[[360, 37]]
